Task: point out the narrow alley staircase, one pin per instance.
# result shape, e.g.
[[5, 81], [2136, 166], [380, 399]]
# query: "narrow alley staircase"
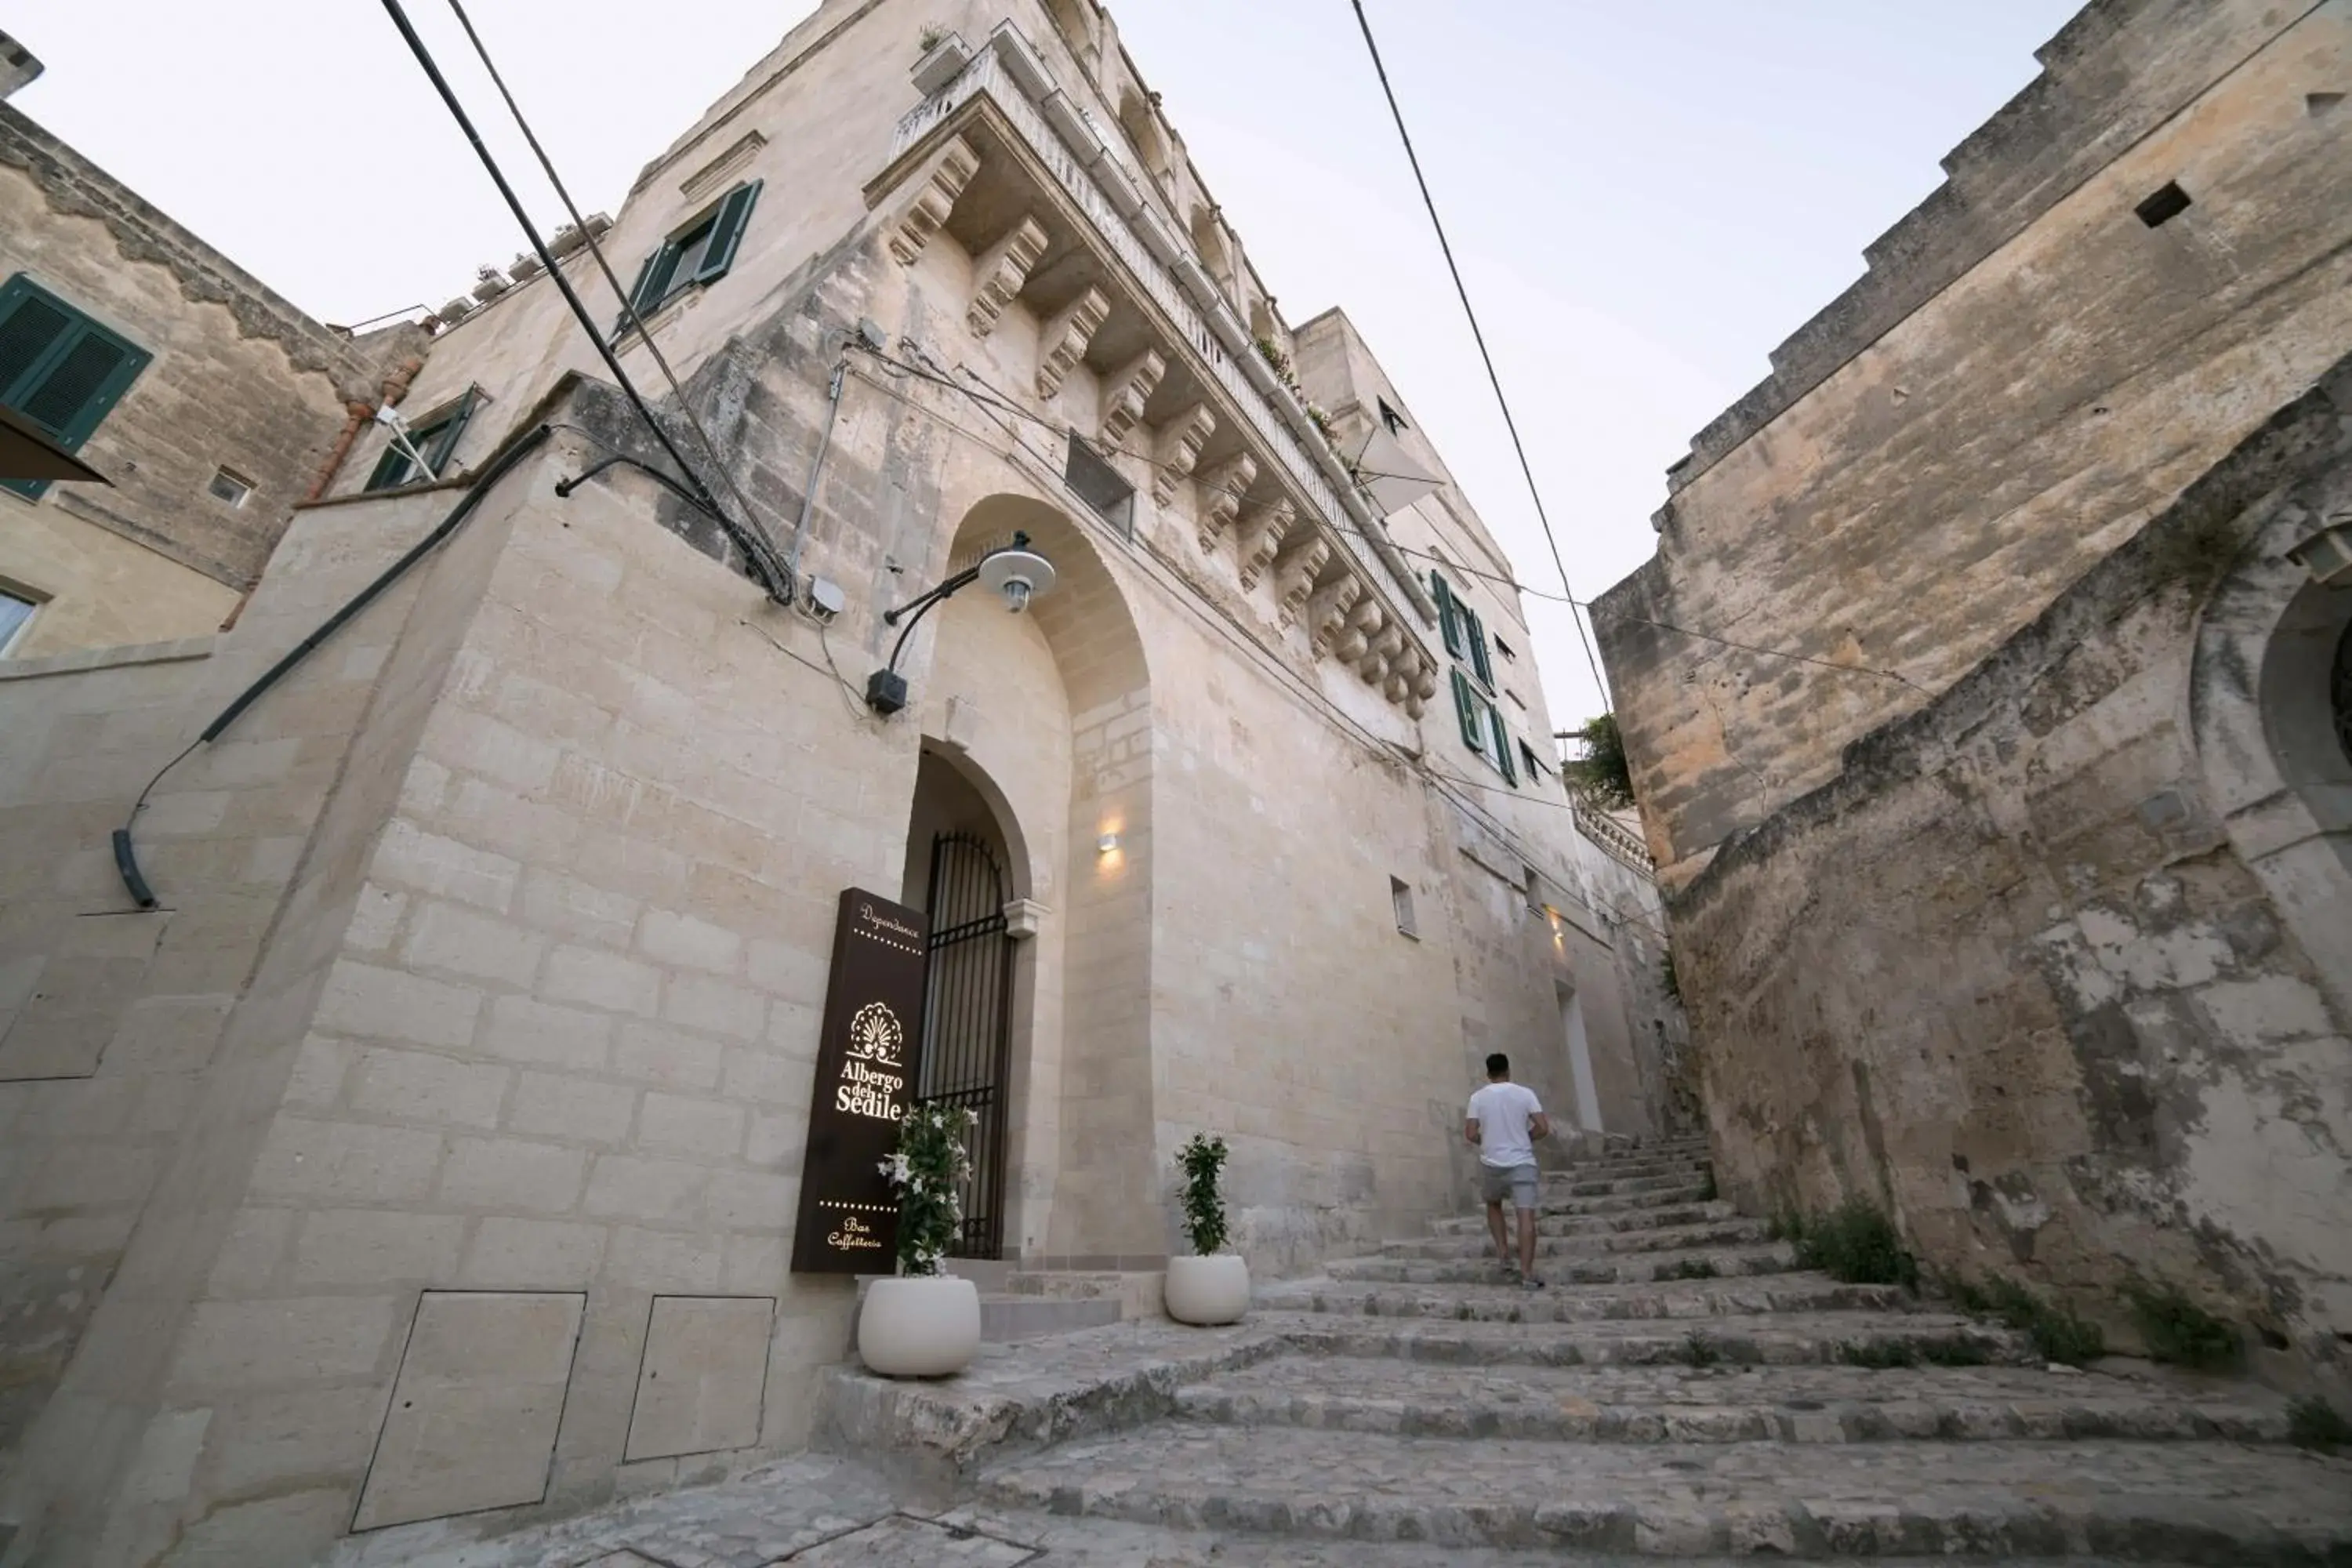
[[1680, 1390]]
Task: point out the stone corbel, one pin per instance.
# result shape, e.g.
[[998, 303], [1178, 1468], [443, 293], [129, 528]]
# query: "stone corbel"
[[1179, 448], [1424, 686], [1023, 917], [1374, 667], [1261, 536], [951, 169], [1364, 622], [1126, 393], [999, 274], [1063, 342], [1221, 495], [1327, 610], [1303, 555]]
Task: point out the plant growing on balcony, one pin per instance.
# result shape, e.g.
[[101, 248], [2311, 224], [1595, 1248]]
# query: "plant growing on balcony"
[[1204, 1163], [1271, 352], [1601, 774], [930, 38], [928, 1170], [1322, 421]]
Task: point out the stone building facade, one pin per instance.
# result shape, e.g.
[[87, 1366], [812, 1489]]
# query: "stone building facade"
[[2011, 883], [430, 1151], [211, 406]]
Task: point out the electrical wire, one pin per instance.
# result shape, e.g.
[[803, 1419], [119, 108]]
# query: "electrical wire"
[[756, 550], [628, 305], [1493, 379]]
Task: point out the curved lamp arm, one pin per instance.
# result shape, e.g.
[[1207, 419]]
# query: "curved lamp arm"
[[915, 609]]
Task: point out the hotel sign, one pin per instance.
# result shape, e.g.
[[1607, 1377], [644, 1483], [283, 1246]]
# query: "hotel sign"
[[867, 1059]]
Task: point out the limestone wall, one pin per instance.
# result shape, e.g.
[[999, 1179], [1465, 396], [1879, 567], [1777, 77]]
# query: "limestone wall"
[[2054, 970], [2031, 373]]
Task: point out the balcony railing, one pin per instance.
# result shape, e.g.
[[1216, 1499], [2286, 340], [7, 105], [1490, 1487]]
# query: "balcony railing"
[[1157, 256], [1617, 841]]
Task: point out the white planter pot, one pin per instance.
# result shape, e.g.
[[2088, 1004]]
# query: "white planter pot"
[[927, 1327], [1208, 1291]]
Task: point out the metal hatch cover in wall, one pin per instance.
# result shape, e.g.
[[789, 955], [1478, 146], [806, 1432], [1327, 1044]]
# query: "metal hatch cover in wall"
[[867, 1060]]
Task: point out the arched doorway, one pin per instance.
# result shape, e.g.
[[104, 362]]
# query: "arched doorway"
[[958, 872]]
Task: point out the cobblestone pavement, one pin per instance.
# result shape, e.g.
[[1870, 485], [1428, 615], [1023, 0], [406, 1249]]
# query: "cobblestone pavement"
[[1445, 1417]]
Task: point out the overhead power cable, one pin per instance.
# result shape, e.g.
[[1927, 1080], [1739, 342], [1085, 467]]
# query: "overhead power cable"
[[757, 552], [628, 304], [1493, 379]]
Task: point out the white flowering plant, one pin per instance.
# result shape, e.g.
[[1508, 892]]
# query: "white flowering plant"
[[929, 1172]]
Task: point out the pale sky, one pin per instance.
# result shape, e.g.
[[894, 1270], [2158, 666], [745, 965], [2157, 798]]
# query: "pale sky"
[[1646, 198]]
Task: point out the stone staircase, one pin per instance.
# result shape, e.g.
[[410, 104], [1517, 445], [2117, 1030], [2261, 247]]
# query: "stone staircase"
[[1681, 1390]]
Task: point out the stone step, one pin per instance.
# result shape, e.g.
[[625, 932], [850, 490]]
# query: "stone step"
[[1691, 1228], [1480, 1266], [1697, 1298], [1006, 1319], [1587, 1184], [1725, 1403], [1099, 1543], [1782, 1339], [1603, 1224], [2146, 1502]]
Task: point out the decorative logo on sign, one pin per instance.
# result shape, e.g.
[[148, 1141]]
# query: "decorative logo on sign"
[[876, 1034]]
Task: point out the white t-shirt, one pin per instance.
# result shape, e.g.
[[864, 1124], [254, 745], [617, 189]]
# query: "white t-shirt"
[[1503, 1112]]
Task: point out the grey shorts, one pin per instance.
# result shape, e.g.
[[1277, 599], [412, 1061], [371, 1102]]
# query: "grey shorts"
[[1515, 1183]]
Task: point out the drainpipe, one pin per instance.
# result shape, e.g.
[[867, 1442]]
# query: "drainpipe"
[[808, 493], [395, 387]]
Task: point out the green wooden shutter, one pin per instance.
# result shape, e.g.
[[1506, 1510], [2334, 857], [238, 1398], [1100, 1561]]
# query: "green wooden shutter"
[[445, 435], [1474, 631], [653, 277], [1502, 746], [726, 233], [1449, 622], [1469, 713], [58, 369]]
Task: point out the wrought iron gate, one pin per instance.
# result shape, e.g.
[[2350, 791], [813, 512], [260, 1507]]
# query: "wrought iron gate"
[[967, 1037]]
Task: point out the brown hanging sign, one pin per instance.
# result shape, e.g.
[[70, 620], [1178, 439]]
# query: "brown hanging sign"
[[866, 1061]]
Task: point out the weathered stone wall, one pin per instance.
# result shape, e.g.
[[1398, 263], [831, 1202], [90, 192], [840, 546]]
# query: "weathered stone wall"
[[239, 380], [2027, 972], [2027, 375]]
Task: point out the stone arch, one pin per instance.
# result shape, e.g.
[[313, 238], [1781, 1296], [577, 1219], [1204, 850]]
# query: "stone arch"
[[1075, 18], [1209, 240], [1140, 120], [2263, 709], [1063, 689]]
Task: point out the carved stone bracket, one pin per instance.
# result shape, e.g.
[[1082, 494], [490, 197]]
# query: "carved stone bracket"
[[999, 274], [1424, 686], [1327, 611], [1126, 392], [1221, 495], [1063, 342], [1261, 536], [1303, 555], [951, 169], [1179, 448], [1364, 624], [1374, 666]]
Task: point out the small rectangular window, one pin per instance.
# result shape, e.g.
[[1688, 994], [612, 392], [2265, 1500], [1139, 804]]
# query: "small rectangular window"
[[18, 608], [1390, 418], [229, 485], [1504, 649], [2164, 207], [1100, 485], [1528, 759], [58, 369], [1400, 895]]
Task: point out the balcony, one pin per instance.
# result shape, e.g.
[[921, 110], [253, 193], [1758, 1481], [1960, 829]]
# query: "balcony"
[[1018, 175]]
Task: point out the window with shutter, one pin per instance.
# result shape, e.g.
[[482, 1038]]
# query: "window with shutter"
[[436, 441], [1473, 632], [697, 255], [1502, 755], [59, 369]]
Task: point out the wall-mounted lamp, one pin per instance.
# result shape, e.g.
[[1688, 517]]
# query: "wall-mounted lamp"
[[2327, 554], [1014, 571], [1107, 842]]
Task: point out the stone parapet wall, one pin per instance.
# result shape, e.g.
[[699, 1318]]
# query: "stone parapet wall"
[[2032, 974]]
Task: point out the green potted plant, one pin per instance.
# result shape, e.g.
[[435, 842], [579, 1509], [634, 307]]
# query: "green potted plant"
[[1211, 1286], [923, 1323]]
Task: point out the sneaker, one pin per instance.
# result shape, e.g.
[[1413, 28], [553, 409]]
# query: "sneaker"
[[1532, 1283]]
